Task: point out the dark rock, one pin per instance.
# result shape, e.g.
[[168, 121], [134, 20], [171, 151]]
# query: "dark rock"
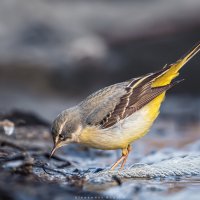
[[20, 118]]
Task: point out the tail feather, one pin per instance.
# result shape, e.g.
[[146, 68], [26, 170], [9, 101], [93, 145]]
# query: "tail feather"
[[172, 71]]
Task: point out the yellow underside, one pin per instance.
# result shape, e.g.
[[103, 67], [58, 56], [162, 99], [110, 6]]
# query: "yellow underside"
[[154, 110]]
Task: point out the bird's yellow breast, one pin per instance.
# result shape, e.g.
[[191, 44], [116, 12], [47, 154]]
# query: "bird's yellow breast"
[[125, 132]]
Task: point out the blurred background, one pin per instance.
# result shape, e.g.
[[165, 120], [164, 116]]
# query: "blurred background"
[[53, 53]]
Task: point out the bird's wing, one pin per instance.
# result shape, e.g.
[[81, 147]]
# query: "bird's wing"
[[132, 101], [95, 107], [114, 103]]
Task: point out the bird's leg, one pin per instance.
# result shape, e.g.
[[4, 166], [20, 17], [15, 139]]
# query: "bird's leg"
[[124, 155], [125, 159], [117, 163]]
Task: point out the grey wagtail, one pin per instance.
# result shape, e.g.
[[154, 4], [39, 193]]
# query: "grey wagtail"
[[117, 115]]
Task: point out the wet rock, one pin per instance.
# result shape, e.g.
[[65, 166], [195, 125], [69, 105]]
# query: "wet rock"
[[175, 165], [7, 126], [25, 155], [28, 187], [117, 179], [20, 118], [98, 170]]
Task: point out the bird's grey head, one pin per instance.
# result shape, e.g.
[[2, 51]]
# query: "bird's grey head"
[[66, 128]]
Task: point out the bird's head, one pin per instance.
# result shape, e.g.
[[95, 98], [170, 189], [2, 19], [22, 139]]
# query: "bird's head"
[[66, 128]]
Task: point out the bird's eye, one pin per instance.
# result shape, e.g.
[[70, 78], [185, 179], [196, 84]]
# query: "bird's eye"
[[61, 137]]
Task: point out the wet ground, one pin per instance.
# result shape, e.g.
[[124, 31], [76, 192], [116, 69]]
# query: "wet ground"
[[165, 164]]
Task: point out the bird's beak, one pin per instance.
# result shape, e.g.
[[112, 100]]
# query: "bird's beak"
[[53, 151], [56, 146]]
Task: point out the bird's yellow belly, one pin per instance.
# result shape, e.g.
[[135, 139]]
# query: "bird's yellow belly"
[[124, 132]]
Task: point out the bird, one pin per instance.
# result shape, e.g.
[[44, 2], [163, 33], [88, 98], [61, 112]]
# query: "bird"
[[114, 117]]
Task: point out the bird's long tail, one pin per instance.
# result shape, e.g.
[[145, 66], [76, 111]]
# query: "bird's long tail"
[[172, 71]]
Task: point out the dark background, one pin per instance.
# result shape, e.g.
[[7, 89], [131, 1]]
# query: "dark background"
[[54, 53]]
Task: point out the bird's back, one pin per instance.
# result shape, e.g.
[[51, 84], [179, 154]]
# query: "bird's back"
[[103, 100]]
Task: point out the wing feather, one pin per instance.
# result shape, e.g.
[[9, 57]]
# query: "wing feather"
[[139, 93]]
